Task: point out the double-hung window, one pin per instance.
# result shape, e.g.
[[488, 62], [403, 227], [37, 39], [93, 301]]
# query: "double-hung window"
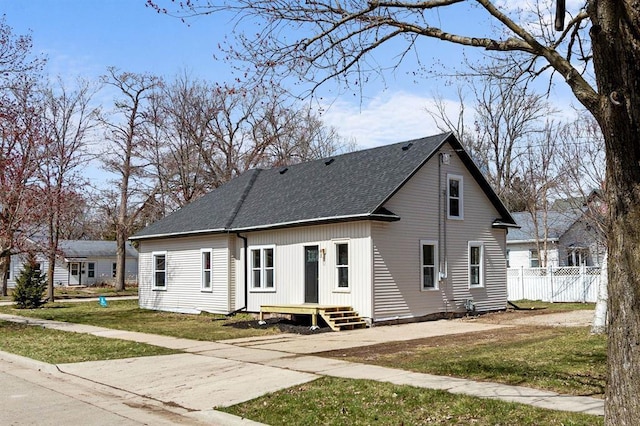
[[159, 270], [534, 259], [454, 197], [476, 264], [262, 268], [206, 268], [342, 265], [429, 264], [91, 270]]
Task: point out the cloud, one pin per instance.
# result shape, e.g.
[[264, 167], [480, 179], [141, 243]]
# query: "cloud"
[[387, 118]]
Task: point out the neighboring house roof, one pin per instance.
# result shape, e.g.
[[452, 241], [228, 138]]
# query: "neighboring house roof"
[[558, 223], [350, 186], [75, 249]]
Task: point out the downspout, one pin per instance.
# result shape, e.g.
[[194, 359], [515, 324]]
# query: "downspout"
[[246, 278]]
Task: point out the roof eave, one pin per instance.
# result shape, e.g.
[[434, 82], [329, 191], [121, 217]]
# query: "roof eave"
[[319, 221], [178, 234], [551, 240], [501, 224]]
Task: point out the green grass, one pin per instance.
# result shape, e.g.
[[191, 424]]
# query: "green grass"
[[564, 360], [69, 292], [125, 315], [334, 401], [57, 347], [556, 307]]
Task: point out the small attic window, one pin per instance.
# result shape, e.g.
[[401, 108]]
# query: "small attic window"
[[406, 146], [329, 161], [283, 170]]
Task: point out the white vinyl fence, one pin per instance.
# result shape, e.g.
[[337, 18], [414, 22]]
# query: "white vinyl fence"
[[558, 284]]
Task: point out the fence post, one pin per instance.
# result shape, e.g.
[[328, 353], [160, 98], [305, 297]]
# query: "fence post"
[[521, 280], [583, 281], [550, 279]]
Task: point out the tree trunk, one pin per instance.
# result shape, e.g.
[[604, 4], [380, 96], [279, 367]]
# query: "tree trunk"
[[599, 325], [616, 55], [51, 258], [121, 241], [5, 264]]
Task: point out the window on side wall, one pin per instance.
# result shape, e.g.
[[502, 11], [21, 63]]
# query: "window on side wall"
[[114, 267], [91, 270], [476, 264], [534, 259], [262, 268], [159, 271], [429, 265], [342, 265], [206, 258], [455, 200]]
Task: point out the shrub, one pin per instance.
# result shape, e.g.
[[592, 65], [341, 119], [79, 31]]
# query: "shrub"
[[30, 286]]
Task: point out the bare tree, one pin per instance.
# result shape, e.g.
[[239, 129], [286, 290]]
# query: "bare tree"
[[542, 174], [200, 135], [22, 133], [507, 118], [68, 120], [334, 40], [125, 132], [15, 55]]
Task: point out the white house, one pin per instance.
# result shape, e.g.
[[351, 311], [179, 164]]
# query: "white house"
[[570, 238], [83, 262], [396, 232]]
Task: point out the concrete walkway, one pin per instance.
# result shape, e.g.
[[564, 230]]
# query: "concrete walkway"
[[224, 373]]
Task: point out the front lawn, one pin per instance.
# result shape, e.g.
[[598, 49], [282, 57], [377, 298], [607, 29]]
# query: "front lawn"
[[126, 315], [555, 307], [72, 292], [335, 401], [565, 360], [57, 347]]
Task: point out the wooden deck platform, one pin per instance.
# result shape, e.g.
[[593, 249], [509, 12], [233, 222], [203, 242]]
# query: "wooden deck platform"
[[338, 317]]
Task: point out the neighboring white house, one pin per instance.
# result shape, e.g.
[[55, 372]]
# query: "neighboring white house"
[[399, 231], [83, 262], [570, 240]]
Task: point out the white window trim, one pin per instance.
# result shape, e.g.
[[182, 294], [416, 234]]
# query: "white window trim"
[[153, 270], [436, 265], [336, 267], [262, 288], [482, 262], [202, 270], [460, 179]]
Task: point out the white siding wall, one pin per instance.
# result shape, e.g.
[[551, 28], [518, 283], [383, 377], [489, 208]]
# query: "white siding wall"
[[289, 265], [519, 255], [61, 276], [396, 248], [183, 260]]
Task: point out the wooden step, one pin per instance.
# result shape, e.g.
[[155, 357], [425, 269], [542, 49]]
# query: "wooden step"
[[342, 318]]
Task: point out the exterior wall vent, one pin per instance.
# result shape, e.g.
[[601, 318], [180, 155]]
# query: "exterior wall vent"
[[446, 158]]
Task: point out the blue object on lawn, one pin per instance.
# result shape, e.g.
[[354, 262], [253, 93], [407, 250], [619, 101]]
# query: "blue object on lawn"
[[103, 301]]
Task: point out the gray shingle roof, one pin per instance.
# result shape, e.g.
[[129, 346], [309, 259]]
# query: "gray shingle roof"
[[558, 223], [347, 186], [92, 248]]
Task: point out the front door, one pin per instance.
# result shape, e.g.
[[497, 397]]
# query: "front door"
[[311, 274], [75, 276]]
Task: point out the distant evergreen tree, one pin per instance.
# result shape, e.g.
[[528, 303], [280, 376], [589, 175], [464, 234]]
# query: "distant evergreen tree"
[[30, 286]]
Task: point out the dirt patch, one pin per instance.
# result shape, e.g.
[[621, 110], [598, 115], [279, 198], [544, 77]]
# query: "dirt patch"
[[299, 325], [537, 317], [371, 353]]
